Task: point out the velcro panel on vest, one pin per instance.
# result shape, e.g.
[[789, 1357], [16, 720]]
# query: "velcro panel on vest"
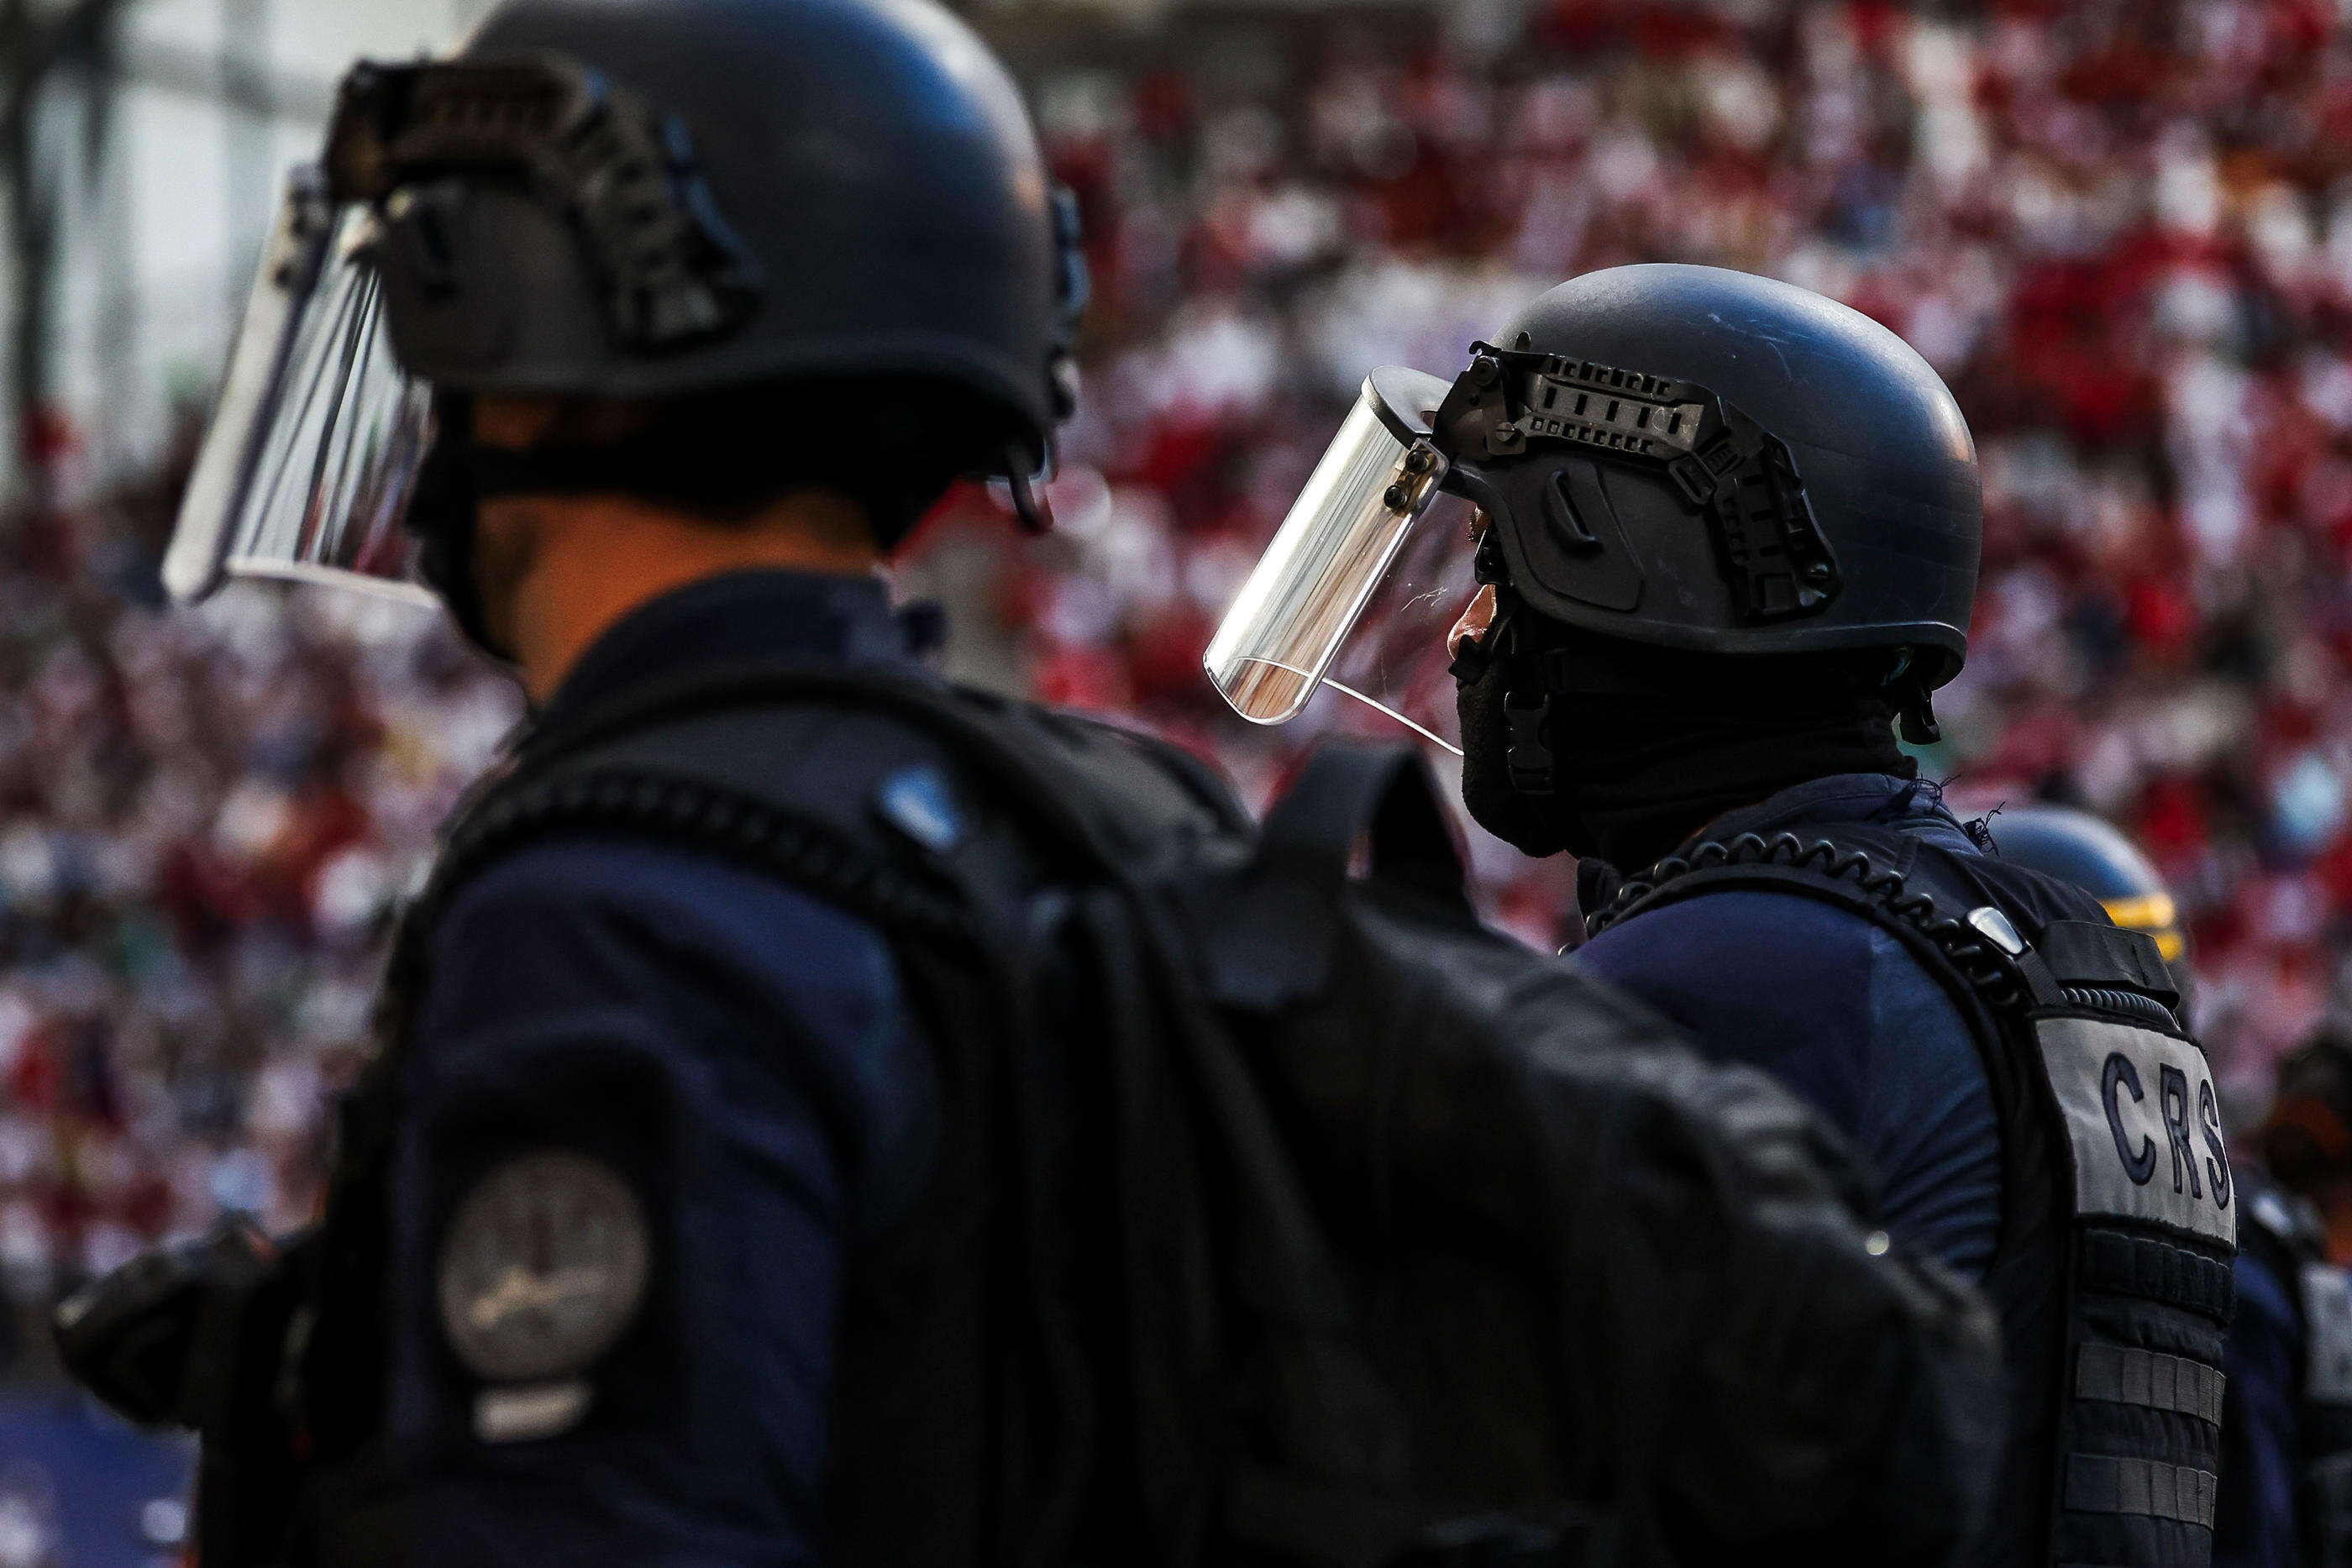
[[2096, 1483], [2083, 953], [2156, 1270], [2143, 1127], [2121, 1375]]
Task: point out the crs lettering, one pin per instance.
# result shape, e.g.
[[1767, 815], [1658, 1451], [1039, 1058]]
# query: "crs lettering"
[[2118, 1077], [2143, 1123]]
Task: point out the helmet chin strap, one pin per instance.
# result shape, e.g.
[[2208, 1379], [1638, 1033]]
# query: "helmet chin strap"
[[442, 516], [1528, 758], [1916, 714], [1914, 703], [1029, 503]]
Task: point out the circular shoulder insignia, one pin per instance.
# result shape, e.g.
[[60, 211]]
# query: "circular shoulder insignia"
[[543, 1265]]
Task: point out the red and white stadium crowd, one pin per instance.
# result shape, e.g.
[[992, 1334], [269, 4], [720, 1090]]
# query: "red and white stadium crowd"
[[2121, 229]]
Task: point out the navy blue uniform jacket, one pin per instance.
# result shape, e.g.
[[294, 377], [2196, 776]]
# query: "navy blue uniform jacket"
[[771, 1030], [2255, 1518], [1838, 1010]]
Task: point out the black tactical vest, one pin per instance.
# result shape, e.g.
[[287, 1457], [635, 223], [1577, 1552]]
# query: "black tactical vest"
[[2112, 1271]]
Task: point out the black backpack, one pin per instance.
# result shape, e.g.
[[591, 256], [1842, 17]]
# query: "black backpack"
[[1426, 1243], [1289, 1214]]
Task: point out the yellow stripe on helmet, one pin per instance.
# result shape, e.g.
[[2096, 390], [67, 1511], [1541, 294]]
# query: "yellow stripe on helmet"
[[2149, 912]]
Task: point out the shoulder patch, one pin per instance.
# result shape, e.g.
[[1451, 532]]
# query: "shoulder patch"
[[2144, 1125], [918, 802], [544, 1267]]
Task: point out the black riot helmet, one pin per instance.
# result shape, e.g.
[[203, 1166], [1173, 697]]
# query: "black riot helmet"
[[822, 228], [851, 187], [1676, 457], [1695, 458]]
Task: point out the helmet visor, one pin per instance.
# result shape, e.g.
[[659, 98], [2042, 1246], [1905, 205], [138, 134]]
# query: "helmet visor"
[[1279, 641], [307, 471]]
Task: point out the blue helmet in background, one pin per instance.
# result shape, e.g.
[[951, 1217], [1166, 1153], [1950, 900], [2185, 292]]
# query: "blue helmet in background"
[[2092, 854]]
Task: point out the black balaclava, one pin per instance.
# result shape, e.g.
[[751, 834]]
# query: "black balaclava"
[[1643, 746]]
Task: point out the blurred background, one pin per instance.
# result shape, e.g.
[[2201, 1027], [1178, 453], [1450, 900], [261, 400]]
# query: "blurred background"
[[2121, 229]]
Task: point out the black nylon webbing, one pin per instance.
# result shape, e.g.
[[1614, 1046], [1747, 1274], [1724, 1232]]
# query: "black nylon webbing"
[[2099, 1483], [802, 850], [2123, 1375], [2127, 1265]]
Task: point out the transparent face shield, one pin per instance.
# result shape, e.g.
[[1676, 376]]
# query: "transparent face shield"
[[1284, 635], [1351, 554], [1395, 667], [313, 453]]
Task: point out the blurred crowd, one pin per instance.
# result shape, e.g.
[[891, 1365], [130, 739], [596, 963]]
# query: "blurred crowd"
[[205, 818], [2121, 229]]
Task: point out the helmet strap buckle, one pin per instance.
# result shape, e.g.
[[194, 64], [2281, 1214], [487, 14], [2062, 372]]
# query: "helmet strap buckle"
[[1528, 756], [1034, 512], [1916, 716]]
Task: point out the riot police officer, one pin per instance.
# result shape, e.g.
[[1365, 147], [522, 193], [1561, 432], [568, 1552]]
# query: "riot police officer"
[[719, 1190], [2279, 1399], [2291, 1346], [635, 334], [1728, 542]]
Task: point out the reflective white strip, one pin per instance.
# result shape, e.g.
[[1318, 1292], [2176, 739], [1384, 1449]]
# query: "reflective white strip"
[[1429, 734], [523, 1414], [2328, 1326], [2143, 1123]]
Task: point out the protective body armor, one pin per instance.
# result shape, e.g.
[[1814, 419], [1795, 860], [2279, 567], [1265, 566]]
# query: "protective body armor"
[[2287, 1235], [1407, 1222], [2111, 1268]]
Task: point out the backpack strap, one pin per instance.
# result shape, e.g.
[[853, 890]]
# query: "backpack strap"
[[1025, 752], [1271, 937], [953, 907], [1382, 797], [794, 846]]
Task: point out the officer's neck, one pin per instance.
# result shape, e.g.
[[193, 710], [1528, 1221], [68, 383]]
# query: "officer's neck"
[[556, 572]]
